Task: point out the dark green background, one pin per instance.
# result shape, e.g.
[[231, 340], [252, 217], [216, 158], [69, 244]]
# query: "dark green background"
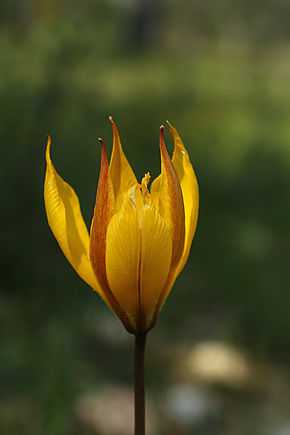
[[220, 72]]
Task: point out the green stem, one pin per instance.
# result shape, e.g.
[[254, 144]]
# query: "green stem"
[[140, 341]]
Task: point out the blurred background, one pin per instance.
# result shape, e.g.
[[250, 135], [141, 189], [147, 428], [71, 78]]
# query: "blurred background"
[[218, 363]]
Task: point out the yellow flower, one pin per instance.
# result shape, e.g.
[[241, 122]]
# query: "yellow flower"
[[139, 239]]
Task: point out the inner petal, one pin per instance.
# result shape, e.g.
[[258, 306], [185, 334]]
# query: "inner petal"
[[138, 257], [123, 257], [156, 254]]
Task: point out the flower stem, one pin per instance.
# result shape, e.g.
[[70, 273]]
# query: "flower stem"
[[140, 340]]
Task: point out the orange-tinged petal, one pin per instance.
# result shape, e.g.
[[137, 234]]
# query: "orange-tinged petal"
[[66, 222], [139, 240], [190, 194], [121, 173], [171, 202], [103, 212], [166, 191], [189, 187]]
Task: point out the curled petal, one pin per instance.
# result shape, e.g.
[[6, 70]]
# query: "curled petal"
[[189, 187], [66, 222], [190, 193], [170, 201], [167, 192]]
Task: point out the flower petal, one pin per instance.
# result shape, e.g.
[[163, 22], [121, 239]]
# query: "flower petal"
[[138, 258], [123, 258], [155, 261], [170, 201], [166, 192], [121, 173], [103, 212], [189, 187], [66, 222], [190, 194]]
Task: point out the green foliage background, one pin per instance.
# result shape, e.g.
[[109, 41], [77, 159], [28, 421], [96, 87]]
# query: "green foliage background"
[[220, 73]]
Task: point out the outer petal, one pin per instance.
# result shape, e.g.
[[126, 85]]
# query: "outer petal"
[[189, 187], [66, 222], [138, 258], [120, 171], [190, 194], [170, 202], [166, 191], [103, 212]]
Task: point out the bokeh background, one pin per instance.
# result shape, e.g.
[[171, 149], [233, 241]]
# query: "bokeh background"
[[219, 361]]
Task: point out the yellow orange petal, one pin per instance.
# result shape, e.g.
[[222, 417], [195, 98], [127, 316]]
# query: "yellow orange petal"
[[103, 211], [189, 187], [171, 202], [66, 222], [120, 171], [155, 261], [123, 257], [102, 214], [138, 258], [167, 195], [190, 192]]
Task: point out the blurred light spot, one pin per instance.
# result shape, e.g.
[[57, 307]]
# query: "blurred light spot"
[[110, 412], [189, 405], [217, 362]]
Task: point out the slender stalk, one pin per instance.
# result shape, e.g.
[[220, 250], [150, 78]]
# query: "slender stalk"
[[140, 341]]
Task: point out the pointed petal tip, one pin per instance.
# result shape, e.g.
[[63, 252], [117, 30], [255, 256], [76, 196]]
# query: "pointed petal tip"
[[111, 120], [171, 128], [161, 138], [175, 136], [48, 146], [114, 126], [103, 149], [48, 141], [169, 125], [161, 135]]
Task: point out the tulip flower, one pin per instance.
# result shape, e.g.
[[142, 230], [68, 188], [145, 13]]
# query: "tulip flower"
[[140, 237]]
